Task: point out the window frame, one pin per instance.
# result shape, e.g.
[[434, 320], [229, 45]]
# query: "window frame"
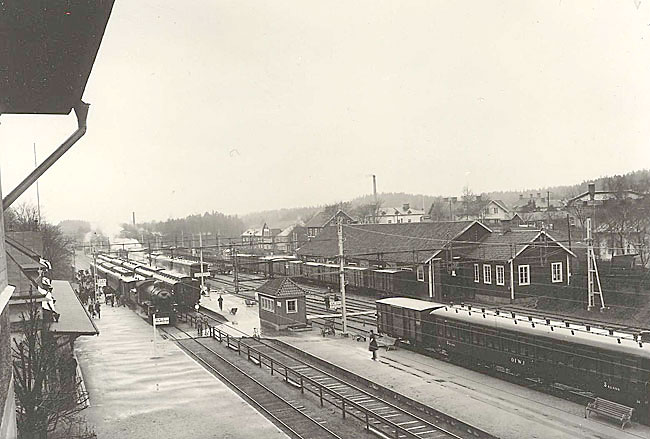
[[526, 268], [296, 306], [502, 270], [553, 279], [420, 273], [487, 274], [477, 273], [264, 304]]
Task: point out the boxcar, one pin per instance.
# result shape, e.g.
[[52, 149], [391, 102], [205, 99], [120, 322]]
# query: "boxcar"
[[405, 318]]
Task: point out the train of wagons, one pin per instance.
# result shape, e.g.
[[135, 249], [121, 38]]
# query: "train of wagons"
[[156, 290], [380, 282], [599, 361]]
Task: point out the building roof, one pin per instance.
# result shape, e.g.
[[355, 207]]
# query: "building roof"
[[409, 303], [47, 54], [401, 243], [499, 203], [321, 219], [281, 287], [74, 319], [606, 195], [503, 246], [385, 211]]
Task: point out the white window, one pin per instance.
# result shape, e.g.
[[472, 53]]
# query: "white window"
[[292, 306], [487, 274], [556, 272], [500, 275], [420, 273], [390, 221], [267, 304], [477, 273], [524, 274]]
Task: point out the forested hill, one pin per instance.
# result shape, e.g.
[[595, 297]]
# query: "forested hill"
[[280, 218]]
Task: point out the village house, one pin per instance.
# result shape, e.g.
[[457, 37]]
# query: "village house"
[[397, 215], [261, 239], [510, 265], [324, 219]]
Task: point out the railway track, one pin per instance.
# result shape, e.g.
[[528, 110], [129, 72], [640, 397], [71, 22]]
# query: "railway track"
[[286, 415], [368, 408], [382, 416]]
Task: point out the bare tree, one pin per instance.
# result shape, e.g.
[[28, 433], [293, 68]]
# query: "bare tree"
[[45, 381]]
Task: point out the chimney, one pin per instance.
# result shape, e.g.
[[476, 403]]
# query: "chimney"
[[406, 206], [592, 191]]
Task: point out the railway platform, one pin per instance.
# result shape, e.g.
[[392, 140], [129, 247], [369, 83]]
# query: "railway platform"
[[245, 321], [138, 393], [504, 409]]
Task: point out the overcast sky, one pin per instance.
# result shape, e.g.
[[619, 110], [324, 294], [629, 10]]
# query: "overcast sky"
[[239, 106]]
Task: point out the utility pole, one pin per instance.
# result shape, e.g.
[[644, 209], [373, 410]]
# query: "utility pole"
[[592, 270], [235, 269], [201, 261], [374, 193], [38, 197], [342, 276]]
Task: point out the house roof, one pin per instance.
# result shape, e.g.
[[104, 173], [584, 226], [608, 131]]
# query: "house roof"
[[499, 203], [321, 219], [503, 246], [281, 287], [402, 243], [606, 195], [399, 211], [48, 52]]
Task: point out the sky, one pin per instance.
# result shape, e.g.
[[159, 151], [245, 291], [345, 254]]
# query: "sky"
[[241, 106]]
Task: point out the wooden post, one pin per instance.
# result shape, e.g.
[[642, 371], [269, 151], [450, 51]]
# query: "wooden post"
[[320, 388]]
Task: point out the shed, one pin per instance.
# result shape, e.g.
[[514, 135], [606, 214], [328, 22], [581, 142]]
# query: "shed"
[[282, 304]]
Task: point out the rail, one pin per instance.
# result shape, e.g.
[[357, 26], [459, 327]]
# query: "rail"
[[321, 391]]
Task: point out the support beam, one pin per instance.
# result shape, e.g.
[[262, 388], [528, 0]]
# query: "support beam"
[[81, 110]]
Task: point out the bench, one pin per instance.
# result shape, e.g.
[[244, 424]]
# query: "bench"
[[610, 409], [250, 302]]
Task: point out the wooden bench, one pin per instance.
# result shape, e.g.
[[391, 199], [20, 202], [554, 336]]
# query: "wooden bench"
[[610, 409], [250, 302]]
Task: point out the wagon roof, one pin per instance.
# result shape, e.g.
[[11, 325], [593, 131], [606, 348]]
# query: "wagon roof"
[[409, 303]]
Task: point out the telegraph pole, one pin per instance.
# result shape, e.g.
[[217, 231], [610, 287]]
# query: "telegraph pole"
[[235, 272], [201, 261], [593, 279], [342, 276]]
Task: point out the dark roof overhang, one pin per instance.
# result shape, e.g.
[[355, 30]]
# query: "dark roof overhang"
[[47, 50]]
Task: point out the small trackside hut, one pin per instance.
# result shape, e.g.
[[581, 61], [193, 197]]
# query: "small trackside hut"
[[282, 304]]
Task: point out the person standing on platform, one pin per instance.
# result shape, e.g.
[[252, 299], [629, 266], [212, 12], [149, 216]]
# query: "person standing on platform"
[[98, 310], [373, 347], [220, 300], [91, 310]]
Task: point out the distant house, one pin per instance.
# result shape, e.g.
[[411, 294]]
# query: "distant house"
[[515, 264], [397, 215], [536, 202], [290, 238], [324, 219], [494, 212], [262, 239]]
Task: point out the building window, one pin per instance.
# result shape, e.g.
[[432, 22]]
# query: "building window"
[[390, 221], [267, 304], [495, 210], [408, 220], [556, 272], [524, 274], [500, 275], [487, 274], [477, 273], [292, 306], [420, 272]]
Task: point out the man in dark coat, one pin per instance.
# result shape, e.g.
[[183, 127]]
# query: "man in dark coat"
[[373, 347], [220, 300], [98, 310]]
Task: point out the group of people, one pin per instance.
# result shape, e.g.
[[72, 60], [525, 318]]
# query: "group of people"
[[95, 309]]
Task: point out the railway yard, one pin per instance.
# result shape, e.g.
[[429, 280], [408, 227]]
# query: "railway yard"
[[317, 384]]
